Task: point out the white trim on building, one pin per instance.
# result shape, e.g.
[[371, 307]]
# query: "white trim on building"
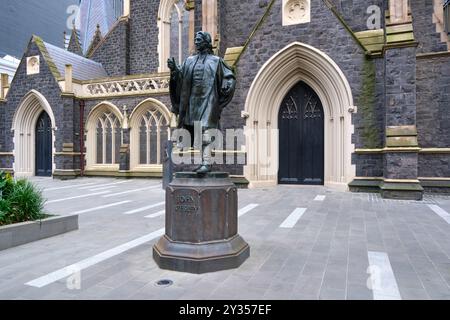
[[9, 65]]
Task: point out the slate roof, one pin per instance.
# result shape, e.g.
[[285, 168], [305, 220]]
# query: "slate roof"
[[83, 68]]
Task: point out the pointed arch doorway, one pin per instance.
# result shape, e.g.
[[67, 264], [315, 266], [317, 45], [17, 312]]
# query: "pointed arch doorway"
[[292, 64], [43, 161], [301, 137], [33, 111]]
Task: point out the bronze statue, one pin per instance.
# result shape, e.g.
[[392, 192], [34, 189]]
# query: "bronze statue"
[[199, 90]]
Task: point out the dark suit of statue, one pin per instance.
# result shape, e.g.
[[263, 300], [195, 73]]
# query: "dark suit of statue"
[[200, 89]]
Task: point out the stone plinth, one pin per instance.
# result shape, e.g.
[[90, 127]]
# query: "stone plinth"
[[201, 225]]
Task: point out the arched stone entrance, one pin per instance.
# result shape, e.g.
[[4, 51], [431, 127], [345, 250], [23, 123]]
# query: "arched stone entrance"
[[24, 128], [299, 62]]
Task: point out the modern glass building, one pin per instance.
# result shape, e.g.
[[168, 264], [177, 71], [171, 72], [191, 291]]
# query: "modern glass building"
[[19, 19]]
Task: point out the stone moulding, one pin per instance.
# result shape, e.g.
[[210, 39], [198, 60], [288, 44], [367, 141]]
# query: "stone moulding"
[[373, 41], [296, 12], [120, 86], [25, 232], [375, 184], [404, 149], [299, 62]]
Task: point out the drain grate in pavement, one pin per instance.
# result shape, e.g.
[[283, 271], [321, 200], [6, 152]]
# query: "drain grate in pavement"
[[164, 283]]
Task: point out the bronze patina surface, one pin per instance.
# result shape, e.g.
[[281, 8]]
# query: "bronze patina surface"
[[201, 225]]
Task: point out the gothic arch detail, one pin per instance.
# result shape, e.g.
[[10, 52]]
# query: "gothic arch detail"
[[299, 62], [150, 129], [24, 126], [103, 137]]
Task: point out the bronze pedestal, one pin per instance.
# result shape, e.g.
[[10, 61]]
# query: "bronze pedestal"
[[201, 225]]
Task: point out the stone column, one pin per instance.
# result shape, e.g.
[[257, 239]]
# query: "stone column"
[[398, 10], [67, 156], [198, 24], [68, 79], [126, 8], [124, 165], [401, 145], [4, 84], [190, 6], [210, 19]]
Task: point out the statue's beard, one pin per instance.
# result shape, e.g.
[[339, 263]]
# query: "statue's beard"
[[202, 49]]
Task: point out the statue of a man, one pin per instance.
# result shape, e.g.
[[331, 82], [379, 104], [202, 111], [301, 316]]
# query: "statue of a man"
[[199, 90]]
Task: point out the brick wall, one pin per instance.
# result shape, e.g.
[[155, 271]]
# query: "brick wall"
[[113, 52], [434, 165], [324, 32], [144, 36], [424, 28], [433, 101]]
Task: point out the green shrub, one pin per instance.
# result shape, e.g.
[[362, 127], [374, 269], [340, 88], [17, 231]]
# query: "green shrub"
[[21, 201], [6, 184]]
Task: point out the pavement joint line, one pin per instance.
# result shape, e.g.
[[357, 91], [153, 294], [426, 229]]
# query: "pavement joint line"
[[102, 207], [246, 209], [106, 185], [320, 198], [71, 187], [382, 279], [157, 214], [86, 263], [293, 218], [440, 212], [79, 197], [102, 188], [145, 208], [130, 191]]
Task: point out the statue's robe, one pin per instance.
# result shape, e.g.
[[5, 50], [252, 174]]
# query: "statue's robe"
[[201, 103]]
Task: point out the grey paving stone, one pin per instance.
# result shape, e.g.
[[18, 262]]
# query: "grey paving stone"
[[413, 294], [331, 294], [314, 269], [326, 252], [124, 291], [279, 291], [358, 292], [335, 279], [307, 285]]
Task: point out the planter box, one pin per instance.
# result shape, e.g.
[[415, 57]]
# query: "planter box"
[[20, 233]]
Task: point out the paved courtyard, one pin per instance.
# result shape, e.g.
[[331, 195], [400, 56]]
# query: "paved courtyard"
[[306, 243]]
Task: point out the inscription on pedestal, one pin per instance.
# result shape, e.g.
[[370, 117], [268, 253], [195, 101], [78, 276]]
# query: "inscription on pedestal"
[[185, 203], [201, 225]]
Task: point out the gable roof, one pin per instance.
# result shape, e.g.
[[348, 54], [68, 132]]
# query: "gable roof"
[[57, 58]]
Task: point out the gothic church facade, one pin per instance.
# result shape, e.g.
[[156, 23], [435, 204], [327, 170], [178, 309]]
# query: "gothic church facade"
[[349, 94]]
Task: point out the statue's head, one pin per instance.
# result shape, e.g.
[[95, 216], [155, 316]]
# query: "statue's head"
[[203, 41]]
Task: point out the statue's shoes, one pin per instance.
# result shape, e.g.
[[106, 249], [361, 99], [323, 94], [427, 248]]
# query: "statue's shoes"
[[203, 169], [197, 168]]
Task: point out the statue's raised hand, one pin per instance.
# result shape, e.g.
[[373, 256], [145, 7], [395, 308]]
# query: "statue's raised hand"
[[172, 64]]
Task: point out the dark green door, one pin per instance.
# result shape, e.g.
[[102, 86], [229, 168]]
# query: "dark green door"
[[44, 146], [301, 134]]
